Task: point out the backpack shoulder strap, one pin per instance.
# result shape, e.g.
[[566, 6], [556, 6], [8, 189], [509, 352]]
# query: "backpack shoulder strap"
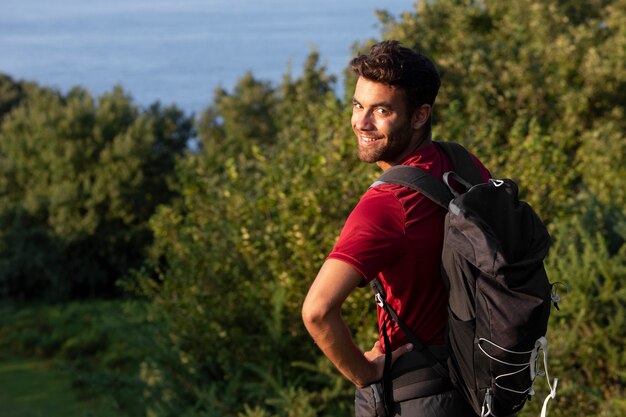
[[419, 180], [462, 162], [423, 182]]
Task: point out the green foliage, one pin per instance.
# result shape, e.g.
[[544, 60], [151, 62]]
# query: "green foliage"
[[258, 214], [240, 248], [11, 93], [52, 389], [587, 335], [535, 87], [79, 181], [236, 120], [100, 345], [238, 229]]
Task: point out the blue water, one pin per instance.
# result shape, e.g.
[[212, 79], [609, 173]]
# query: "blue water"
[[178, 51]]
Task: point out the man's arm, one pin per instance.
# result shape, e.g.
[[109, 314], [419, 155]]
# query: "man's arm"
[[321, 314]]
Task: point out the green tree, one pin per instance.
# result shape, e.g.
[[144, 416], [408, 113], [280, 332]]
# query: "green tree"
[[535, 87], [238, 251], [11, 93], [587, 335], [83, 178], [236, 121]]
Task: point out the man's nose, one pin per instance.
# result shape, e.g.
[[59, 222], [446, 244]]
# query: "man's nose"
[[363, 121]]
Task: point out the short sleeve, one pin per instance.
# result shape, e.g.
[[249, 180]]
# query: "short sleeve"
[[373, 235]]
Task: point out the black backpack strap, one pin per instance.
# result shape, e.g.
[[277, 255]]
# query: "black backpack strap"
[[418, 346], [419, 180], [381, 300], [462, 162], [423, 182]]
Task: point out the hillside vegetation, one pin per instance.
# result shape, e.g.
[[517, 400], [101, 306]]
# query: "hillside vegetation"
[[207, 251]]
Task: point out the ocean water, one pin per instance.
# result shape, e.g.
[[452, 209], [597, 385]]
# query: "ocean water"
[[178, 51]]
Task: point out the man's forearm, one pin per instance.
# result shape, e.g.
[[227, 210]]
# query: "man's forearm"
[[333, 337], [321, 313]]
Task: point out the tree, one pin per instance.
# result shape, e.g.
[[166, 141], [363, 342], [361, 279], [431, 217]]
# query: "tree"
[[11, 93], [236, 121], [533, 86], [84, 177], [238, 251]]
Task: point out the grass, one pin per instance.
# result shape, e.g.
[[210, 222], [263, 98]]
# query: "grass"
[[69, 360], [36, 388]]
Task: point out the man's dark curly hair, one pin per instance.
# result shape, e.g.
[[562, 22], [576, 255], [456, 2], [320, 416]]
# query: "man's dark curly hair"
[[397, 66]]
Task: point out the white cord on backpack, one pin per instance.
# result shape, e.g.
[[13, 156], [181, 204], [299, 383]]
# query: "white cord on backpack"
[[544, 409], [540, 345], [486, 402], [482, 339]]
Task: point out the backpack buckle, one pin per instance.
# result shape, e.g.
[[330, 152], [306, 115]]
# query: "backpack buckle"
[[497, 183], [379, 300]]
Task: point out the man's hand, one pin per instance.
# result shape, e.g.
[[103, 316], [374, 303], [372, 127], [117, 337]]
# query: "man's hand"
[[377, 357]]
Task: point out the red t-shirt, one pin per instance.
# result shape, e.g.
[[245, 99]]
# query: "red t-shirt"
[[397, 234]]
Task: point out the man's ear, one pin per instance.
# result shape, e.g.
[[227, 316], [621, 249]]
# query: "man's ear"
[[421, 116]]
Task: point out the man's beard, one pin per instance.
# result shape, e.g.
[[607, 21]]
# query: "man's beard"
[[388, 150]]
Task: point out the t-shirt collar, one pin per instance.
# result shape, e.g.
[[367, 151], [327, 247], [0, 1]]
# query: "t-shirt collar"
[[421, 155]]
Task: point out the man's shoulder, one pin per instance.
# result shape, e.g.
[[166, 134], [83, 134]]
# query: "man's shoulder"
[[380, 198]]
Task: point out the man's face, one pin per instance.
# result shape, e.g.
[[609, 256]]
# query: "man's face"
[[380, 121]]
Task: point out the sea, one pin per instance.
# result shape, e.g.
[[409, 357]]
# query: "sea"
[[179, 51]]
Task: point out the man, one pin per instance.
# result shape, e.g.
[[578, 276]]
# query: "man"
[[393, 233]]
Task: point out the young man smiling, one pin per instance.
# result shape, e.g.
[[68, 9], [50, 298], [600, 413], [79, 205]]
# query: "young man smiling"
[[395, 234]]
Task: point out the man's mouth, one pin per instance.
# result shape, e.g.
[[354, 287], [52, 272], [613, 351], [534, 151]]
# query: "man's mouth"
[[369, 139]]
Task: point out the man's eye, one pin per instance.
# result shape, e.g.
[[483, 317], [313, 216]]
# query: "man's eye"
[[381, 111]]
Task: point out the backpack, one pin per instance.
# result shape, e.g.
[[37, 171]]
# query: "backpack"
[[499, 294]]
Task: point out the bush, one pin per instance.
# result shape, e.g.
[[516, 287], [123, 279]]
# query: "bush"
[[587, 335]]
